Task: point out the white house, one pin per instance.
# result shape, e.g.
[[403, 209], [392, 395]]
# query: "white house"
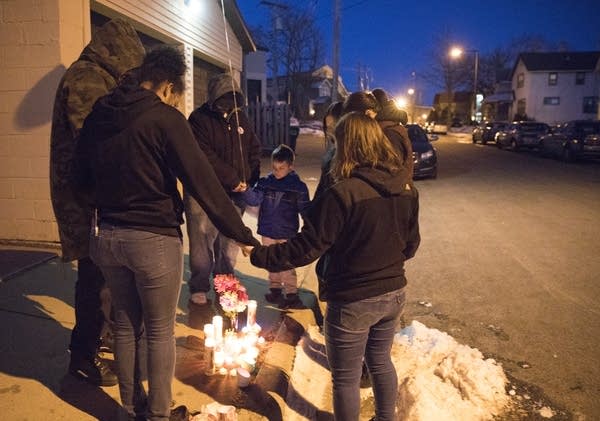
[[39, 39], [556, 87]]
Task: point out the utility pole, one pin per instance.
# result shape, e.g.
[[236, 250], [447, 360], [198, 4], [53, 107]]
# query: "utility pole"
[[336, 49], [276, 22]]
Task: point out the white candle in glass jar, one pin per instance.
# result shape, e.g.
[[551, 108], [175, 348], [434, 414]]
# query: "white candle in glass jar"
[[251, 319], [217, 322]]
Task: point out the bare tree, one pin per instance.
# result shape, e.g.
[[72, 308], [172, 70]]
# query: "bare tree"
[[294, 42]]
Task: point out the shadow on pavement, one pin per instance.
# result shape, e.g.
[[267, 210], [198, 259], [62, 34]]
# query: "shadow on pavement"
[[35, 336]]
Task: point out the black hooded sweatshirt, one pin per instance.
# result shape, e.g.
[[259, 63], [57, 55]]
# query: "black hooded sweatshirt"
[[132, 149], [363, 228]]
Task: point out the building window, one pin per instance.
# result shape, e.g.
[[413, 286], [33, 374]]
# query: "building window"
[[590, 105], [520, 80], [551, 100], [552, 78], [580, 78], [521, 107]]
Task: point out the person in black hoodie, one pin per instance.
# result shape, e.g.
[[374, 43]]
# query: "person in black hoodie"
[[363, 228], [133, 147], [224, 133]]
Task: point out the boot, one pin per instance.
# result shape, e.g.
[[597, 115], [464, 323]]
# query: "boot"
[[292, 301], [274, 296]]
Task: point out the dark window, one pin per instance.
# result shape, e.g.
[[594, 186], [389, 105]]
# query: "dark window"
[[521, 107], [590, 104], [552, 78], [580, 78], [551, 100], [254, 90], [520, 80]]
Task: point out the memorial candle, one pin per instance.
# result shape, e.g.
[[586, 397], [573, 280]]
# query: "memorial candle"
[[251, 319], [217, 322]]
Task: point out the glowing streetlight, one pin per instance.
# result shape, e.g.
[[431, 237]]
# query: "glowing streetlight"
[[400, 102], [411, 91], [457, 52]]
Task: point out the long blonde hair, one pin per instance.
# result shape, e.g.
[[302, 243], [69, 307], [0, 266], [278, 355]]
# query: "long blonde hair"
[[361, 142]]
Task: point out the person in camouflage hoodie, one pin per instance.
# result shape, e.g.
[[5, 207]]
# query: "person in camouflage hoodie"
[[114, 49]]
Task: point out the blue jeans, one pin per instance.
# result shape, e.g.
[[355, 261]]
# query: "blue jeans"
[[143, 271], [364, 328], [210, 251]]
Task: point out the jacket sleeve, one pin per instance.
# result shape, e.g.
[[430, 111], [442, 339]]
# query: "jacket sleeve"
[[199, 179], [226, 174], [323, 223], [253, 196], [414, 237]]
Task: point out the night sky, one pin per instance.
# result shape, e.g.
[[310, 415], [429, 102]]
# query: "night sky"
[[394, 38]]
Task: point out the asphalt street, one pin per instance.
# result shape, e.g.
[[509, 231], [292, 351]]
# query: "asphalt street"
[[509, 263]]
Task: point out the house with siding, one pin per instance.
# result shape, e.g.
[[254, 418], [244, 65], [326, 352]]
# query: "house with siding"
[[556, 87], [39, 39]]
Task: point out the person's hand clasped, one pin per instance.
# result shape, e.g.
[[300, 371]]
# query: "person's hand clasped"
[[240, 187], [246, 250]]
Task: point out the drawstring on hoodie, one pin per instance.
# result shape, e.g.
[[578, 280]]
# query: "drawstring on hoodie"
[[236, 109]]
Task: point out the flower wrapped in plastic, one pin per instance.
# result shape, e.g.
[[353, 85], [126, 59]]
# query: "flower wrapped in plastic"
[[233, 296]]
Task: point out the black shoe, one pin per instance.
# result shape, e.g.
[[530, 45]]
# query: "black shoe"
[[292, 301], [107, 342], [96, 371], [180, 413], [275, 296]]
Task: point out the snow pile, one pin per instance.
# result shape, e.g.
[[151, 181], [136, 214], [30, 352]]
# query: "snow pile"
[[443, 380], [439, 379]]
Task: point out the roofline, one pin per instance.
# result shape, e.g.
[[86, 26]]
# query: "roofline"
[[236, 20]]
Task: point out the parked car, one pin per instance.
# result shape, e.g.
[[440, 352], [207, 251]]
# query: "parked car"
[[485, 132], [521, 135], [573, 140], [437, 128], [424, 154]]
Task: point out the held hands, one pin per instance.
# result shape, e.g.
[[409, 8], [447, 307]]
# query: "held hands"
[[242, 187], [246, 250]]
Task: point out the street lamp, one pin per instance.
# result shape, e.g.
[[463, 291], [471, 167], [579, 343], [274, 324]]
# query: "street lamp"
[[456, 52], [411, 94]]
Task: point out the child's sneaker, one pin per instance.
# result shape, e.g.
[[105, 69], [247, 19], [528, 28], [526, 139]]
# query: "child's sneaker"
[[274, 296], [292, 301]]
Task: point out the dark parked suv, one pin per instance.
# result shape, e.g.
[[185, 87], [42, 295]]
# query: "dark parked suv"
[[424, 154], [521, 134], [485, 132], [573, 140]]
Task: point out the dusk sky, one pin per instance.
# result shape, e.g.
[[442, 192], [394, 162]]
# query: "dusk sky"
[[394, 38]]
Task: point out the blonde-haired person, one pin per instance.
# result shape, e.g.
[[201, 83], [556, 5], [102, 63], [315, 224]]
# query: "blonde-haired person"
[[363, 229]]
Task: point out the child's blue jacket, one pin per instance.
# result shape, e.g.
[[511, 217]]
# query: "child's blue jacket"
[[280, 201]]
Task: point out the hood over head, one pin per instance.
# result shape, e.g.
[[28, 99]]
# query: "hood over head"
[[222, 84], [390, 112], [116, 47], [385, 182]]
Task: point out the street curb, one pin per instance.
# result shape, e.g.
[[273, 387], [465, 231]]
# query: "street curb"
[[275, 372]]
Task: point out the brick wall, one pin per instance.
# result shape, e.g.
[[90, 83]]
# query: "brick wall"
[[38, 40]]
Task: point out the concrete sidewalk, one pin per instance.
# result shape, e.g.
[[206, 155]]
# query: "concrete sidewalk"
[[37, 317]]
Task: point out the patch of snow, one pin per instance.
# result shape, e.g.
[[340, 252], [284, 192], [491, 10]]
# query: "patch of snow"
[[439, 379]]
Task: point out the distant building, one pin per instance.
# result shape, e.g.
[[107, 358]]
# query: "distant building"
[[556, 87], [255, 75], [452, 107], [497, 106], [309, 93]]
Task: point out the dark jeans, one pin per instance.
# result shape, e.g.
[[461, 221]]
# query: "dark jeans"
[[363, 328], [143, 271], [210, 251], [89, 318]]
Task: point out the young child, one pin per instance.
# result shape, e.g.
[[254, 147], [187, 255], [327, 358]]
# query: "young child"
[[282, 196]]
